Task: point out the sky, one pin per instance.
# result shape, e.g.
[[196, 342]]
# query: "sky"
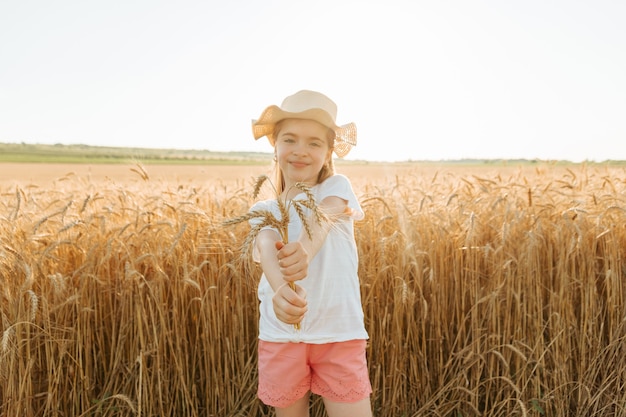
[[422, 80]]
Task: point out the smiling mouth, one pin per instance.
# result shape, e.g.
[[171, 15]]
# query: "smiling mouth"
[[297, 164]]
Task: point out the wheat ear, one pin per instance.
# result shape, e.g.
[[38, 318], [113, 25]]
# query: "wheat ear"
[[282, 225]]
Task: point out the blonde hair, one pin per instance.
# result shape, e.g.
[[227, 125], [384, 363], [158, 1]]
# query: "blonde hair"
[[328, 170]]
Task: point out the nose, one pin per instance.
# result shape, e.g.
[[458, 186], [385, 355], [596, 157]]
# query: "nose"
[[299, 149]]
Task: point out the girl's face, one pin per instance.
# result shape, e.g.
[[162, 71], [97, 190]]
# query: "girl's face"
[[302, 148]]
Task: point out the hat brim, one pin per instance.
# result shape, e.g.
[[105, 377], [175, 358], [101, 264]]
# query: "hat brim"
[[345, 135]]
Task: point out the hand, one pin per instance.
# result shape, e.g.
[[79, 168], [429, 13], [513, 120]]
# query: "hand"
[[289, 305], [293, 260]]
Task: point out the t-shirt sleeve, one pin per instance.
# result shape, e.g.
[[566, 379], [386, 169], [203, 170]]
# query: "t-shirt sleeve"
[[256, 221], [339, 186], [258, 206]]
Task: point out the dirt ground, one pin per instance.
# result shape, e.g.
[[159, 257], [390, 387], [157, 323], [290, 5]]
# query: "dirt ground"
[[44, 174]]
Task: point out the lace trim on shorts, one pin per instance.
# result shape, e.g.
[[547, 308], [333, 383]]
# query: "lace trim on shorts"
[[344, 391], [276, 396]]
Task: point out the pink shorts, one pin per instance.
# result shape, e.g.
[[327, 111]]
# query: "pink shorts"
[[336, 371]]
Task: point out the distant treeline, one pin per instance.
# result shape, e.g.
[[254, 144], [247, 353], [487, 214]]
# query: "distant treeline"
[[59, 153]]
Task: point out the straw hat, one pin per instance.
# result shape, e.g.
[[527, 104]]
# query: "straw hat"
[[309, 105]]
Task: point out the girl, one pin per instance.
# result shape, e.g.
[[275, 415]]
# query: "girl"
[[326, 354]]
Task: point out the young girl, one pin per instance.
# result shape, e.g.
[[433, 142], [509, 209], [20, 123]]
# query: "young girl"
[[326, 354]]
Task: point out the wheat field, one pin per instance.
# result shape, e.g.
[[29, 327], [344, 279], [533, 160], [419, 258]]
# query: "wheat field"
[[487, 291]]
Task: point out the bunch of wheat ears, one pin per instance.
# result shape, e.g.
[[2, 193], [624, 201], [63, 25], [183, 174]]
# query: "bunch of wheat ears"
[[268, 219]]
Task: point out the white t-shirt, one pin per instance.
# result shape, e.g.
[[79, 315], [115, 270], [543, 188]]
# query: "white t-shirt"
[[335, 313]]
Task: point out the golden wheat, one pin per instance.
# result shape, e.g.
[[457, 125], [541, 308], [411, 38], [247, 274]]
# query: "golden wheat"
[[491, 292]]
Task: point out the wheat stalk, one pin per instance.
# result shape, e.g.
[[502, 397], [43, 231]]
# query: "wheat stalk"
[[267, 219]]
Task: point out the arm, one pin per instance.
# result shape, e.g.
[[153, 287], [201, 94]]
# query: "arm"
[[283, 263], [335, 208], [289, 305]]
